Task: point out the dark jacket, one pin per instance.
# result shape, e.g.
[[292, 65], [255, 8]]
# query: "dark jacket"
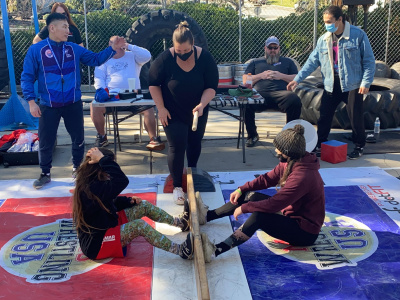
[[301, 198], [95, 215]]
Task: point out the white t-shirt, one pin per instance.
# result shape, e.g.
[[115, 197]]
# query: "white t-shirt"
[[115, 72]]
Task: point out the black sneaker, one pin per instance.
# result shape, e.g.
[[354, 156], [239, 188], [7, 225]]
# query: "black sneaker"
[[317, 151], [184, 217], [357, 153], [186, 248], [251, 141], [101, 141], [43, 179], [155, 144]]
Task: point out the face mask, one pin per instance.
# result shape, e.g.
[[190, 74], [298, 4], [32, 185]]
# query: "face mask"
[[281, 158], [185, 56], [331, 27]]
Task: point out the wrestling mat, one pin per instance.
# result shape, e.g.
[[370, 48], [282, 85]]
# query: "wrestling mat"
[[356, 256]]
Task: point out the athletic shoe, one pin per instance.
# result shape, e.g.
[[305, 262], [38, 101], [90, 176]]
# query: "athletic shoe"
[[357, 153], [202, 210], [43, 179], [370, 138], [252, 141], [101, 141], [74, 173], [155, 144], [186, 249], [208, 247], [179, 196], [184, 217], [317, 151]]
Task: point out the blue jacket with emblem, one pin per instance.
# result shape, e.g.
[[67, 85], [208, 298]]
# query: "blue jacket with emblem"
[[58, 87], [356, 60]]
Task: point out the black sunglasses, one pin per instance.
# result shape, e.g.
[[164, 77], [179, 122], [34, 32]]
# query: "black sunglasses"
[[274, 48]]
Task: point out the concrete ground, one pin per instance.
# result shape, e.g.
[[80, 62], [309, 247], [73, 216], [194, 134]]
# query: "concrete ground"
[[219, 152]]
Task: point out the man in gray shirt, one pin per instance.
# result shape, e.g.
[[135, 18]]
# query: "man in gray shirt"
[[270, 76]]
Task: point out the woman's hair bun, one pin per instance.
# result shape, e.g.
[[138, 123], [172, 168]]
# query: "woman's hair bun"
[[299, 129]]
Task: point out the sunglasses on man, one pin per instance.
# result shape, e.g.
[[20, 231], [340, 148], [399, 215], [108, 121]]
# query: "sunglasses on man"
[[273, 48]]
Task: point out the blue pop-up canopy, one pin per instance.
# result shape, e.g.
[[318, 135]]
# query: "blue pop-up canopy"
[[15, 113]]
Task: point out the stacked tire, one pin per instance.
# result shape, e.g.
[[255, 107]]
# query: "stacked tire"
[[4, 77], [158, 25]]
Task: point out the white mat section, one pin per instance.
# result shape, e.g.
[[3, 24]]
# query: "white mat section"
[[173, 277], [61, 187]]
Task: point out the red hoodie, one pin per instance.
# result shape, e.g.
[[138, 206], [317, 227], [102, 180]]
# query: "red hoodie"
[[301, 198]]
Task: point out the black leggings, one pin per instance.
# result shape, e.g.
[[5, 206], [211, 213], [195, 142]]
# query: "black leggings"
[[182, 138], [275, 225]]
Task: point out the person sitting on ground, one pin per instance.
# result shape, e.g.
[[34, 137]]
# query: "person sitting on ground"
[[270, 75], [295, 214], [74, 36], [100, 213], [113, 75]]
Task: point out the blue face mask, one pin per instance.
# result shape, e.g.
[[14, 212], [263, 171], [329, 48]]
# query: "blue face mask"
[[331, 27]]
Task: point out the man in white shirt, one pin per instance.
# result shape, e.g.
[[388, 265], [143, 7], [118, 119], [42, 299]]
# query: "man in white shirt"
[[113, 75]]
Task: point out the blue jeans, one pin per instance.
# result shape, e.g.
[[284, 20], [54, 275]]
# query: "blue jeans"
[[48, 126]]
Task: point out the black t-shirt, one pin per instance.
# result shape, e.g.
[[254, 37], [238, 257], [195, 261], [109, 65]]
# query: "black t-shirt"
[[74, 35], [182, 90], [258, 65]]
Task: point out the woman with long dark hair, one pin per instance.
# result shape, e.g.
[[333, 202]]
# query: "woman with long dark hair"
[[74, 34], [182, 81], [295, 214], [106, 222]]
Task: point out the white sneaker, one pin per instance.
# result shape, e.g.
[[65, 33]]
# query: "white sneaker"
[[208, 247], [202, 209], [179, 196]]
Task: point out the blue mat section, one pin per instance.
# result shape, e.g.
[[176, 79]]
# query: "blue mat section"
[[272, 276]]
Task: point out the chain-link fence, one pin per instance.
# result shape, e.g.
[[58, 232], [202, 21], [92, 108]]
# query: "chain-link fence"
[[235, 31]]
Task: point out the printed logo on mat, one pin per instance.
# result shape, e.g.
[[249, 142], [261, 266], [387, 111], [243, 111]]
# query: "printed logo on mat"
[[46, 254], [342, 242]]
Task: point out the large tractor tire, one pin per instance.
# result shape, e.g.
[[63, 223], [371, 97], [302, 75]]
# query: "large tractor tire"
[[158, 25], [395, 71], [383, 101], [4, 77], [382, 69]]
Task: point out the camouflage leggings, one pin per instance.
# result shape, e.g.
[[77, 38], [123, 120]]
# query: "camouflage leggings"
[[137, 227]]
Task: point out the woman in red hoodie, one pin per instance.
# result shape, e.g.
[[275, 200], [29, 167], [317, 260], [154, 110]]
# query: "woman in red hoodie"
[[295, 214]]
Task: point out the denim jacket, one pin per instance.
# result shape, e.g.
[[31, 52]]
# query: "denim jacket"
[[356, 60]]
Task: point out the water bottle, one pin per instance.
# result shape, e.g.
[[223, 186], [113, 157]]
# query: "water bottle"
[[377, 127], [249, 81]]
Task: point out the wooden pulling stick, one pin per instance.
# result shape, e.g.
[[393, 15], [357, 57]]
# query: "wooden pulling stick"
[[195, 120]]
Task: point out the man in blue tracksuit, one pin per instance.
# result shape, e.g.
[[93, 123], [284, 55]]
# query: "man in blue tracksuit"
[[55, 64], [348, 67]]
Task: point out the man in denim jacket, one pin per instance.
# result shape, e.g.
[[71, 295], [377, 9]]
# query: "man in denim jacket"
[[348, 67]]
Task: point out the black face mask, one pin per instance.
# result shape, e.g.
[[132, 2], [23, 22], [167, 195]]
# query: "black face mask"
[[281, 158], [185, 56]]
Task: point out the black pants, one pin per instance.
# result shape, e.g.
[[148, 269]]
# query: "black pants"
[[275, 225], [48, 126], [182, 138], [355, 110], [284, 101]]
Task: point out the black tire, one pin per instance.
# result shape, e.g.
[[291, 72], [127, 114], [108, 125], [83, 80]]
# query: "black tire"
[[157, 25], [4, 77], [382, 101], [395, 71], [382, 69]]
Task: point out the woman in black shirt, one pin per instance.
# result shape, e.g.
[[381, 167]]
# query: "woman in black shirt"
[[106, 222], [183, 80], [74, 35]]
